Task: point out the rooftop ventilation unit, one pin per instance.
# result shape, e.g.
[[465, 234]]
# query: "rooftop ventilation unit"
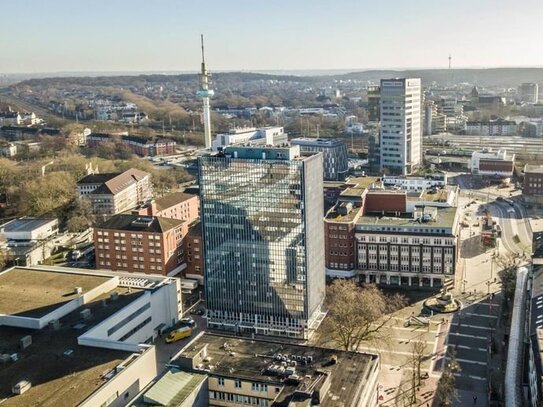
[[25, 342], [21, 387], [143, 221]]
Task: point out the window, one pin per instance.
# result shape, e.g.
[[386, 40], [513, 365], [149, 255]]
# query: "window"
[[220, 381], [238, 384]]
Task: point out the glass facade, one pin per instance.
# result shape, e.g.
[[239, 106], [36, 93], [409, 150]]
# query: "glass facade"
[[263, 234]]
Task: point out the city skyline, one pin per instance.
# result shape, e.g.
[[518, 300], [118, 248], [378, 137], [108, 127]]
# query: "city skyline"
[[62, 36]]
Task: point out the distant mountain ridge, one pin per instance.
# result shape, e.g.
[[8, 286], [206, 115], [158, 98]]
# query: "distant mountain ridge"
[[506, 77]]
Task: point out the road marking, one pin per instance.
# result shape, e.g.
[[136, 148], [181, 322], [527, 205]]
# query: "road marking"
[[397, 352], [470, 314], [468, 347], [486, 328], [468, 336], [470, 376], [469, 361]]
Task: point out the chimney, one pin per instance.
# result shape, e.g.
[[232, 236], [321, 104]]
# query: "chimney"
[[151, 209]]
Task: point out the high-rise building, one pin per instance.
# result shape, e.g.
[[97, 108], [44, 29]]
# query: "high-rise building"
[[374, 99], [401, 127], [529, 92], [335, 159], [262, 227]]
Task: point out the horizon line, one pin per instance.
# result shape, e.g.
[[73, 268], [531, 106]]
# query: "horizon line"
[[343, 70]]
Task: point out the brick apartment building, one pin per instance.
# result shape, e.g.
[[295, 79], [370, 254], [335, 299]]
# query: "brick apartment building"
[[193, 248], [113, 193], [141, 146], [130, 242], [177, 205], [532, 189], [170, 218], [393, 237]]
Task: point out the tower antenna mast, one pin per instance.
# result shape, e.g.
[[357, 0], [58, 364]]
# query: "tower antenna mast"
[[205, 93]]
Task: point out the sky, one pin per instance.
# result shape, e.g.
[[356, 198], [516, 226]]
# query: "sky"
[[163, 35]]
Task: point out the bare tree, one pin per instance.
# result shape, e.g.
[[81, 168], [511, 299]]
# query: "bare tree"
[[357, 314], [418, 349], [508, 277], [418, 353], [446, 392]]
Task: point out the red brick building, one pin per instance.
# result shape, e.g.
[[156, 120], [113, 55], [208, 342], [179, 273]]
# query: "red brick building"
[[192, 246], [137, 243], [141, 146], [177, 205]]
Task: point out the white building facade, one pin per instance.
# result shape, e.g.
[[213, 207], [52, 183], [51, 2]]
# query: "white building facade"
[[401, 127], [252, 135]]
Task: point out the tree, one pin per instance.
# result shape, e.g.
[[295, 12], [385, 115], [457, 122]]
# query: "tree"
[[357, 314], [79, 215], [508, 278], [418, 349], [446, 392], [47, 195]]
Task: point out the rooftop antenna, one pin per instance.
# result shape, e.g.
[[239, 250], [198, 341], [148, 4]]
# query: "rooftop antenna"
[[205, 93]]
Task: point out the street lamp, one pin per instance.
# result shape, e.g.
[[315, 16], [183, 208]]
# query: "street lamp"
[[464, 286]]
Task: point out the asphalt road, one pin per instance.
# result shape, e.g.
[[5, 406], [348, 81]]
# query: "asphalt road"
[[470, 335]]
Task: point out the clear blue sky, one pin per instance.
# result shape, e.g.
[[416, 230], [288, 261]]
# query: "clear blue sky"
[[163, 35]]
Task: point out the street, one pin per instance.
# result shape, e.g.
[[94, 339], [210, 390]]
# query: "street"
[[473, 330]]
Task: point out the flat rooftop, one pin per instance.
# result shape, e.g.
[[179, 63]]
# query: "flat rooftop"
[[252, 360], [533, 168], [26, 224], [62, 373], [34, 293], [334, 215], [445, 219]]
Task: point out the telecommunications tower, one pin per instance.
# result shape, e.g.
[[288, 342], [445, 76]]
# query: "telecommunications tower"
[[205, 93]]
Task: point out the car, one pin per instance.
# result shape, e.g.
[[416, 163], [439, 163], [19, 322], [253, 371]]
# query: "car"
[[187, 322]]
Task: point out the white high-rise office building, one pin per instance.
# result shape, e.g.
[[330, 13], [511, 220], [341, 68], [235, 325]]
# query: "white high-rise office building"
[[401, 126], [529, 92]]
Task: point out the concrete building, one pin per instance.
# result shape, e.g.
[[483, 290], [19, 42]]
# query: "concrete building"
[[282, 374], [29, 241], [438, 180], [393, 237], [140, 244], [493, 163], [401, 125], [81, 337], [263, 240], [535, 338], [531, 128], [10, 118], [529, 93], [498, 127], [374, 103], [8, 150], [273, 135], [335, 160], [113, 193]]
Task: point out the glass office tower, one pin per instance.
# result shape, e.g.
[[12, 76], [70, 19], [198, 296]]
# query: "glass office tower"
[[262, 224]]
